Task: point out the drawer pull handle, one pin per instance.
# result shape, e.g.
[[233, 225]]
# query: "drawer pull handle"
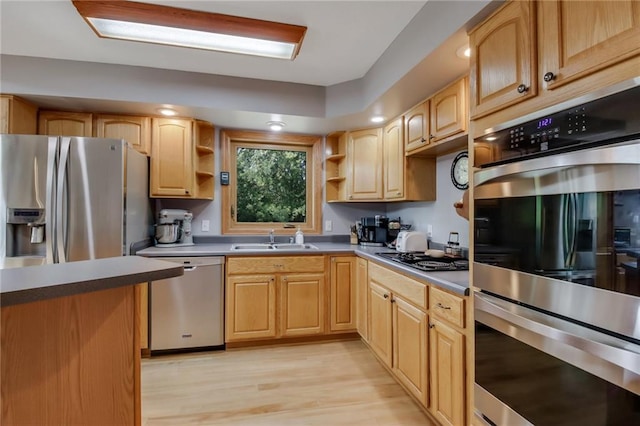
[[522, 88], [549, 77], [441, 306], [386, 296], [431, 325], [393, 300]]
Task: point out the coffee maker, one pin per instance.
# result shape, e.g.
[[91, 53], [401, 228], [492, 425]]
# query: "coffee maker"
[[373, 231], [173, 228]]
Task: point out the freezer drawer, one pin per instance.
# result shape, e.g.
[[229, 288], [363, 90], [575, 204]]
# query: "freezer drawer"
[[187, 311]]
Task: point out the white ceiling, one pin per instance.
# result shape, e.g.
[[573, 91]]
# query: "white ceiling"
[[357, 58]]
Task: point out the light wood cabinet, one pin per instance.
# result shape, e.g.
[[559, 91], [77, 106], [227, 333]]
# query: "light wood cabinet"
[[171, 158], [447, 362], [405, 178], [17, 116], [503, 59], [380, 322], [336, 167], [136, 130], [274, 297], [410, 347], [449, 111], [342, 296], [250, 307], [182, 159], [302, 304], [393, 160], [364, 153], [398, 331], [362, 296], [62, 123], [416, 127], [578, 38]]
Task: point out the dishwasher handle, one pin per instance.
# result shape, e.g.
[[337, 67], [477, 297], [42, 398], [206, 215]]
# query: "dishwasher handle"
[[188, 268]]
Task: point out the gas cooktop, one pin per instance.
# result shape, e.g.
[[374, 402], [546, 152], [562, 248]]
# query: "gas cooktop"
[[423, 262]]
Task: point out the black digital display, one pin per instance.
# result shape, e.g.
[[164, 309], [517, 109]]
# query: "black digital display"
[[26, 213], [543, 123]]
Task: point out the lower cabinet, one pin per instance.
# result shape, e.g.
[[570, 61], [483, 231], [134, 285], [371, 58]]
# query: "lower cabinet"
[[398, 331], [274, 297], [342, 283], [422, 344]]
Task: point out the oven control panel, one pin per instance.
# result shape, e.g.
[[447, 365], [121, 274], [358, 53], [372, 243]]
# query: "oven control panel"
[[606, 120]]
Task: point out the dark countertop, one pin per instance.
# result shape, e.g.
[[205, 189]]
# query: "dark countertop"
[[454, 281], [34, 283]]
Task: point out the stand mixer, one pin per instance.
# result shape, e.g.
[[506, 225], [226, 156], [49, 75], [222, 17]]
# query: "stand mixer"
[[173, 228]]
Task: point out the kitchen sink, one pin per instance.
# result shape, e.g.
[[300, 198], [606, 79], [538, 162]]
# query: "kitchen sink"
[[273, 246]]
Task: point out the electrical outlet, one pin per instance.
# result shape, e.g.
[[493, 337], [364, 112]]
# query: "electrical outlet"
[[205, 225], [328, 225], [429, 231]]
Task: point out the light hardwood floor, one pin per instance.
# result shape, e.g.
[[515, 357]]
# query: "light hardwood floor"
[[333, 383]]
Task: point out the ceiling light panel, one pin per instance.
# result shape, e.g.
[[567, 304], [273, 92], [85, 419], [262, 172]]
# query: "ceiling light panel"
[[152, 23]]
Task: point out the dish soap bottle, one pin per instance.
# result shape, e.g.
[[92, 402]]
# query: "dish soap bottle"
[[299, 236]]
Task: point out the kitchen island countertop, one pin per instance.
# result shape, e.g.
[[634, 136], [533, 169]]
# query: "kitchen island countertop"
[[454, 281], [34, 283]]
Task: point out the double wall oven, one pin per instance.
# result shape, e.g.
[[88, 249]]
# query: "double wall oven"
[[555, 265]]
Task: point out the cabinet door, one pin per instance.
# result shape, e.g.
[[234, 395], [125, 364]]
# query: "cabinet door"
[[362, 305], [250, 307], [59, 123], [135, 130], [17, 116], [394, 160], [447, 373], [578, 38], [410, 347], [171, 158], [380, 322], [416, 127], [302, 304], [503, 59], [342, 293], [365, 158], [449, 111]]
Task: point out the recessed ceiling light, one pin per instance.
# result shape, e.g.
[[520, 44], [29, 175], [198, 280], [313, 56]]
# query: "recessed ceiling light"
[[377, 119], [276, 126], [463, 51], [153, 23], [167, 111]]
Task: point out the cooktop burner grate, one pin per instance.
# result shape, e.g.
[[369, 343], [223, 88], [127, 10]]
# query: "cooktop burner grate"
[[423, 262]]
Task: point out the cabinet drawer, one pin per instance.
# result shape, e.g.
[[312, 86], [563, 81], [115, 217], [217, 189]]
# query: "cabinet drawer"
[[407, 288], [447, 307], [251, 265]]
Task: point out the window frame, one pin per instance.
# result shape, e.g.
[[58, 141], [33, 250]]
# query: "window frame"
[[230, 140]]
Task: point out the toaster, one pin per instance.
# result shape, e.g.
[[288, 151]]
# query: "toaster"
[[409, 241]]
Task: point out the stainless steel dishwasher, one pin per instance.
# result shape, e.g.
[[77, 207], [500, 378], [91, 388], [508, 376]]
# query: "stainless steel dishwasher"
[[187, 312]]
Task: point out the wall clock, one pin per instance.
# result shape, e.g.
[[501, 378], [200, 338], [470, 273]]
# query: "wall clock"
[[460, 171]]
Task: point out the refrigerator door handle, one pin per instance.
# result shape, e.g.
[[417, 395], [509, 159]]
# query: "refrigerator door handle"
[[61, 226], [50, 225]]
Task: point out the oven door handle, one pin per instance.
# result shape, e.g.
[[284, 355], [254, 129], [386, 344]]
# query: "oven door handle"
[[512, 316]]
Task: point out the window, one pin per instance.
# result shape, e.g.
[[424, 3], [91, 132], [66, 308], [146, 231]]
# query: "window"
[[274, 182]]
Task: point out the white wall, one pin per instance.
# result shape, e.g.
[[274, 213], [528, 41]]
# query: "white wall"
[[440, 214]]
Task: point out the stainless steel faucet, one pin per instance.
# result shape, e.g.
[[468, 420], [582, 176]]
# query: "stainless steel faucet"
[[271, 237]]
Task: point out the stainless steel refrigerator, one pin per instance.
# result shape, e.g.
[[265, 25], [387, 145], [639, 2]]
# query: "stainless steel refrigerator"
[[66, 199]]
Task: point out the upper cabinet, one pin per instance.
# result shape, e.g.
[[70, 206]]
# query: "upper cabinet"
[[416, 127], [530, 55], [503, 61], [63, 123], [364, 177], [449, 114], [577, 38], [181, 159], [370, 165], [136, 130], [17, 116]]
